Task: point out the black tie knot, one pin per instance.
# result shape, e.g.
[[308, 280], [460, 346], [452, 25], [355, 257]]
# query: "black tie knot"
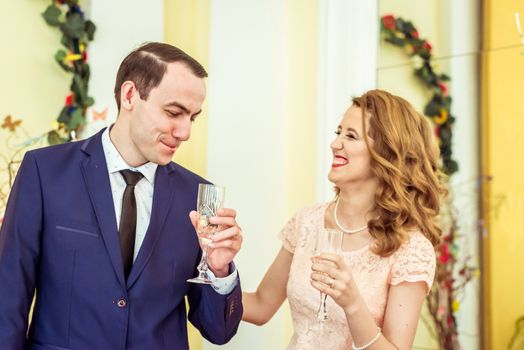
[[131, 177]]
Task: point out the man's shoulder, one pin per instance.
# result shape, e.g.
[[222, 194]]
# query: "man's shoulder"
[[55, 149], [67, 149]]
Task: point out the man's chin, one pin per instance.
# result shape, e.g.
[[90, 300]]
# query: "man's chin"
[[163, 161], [164, 155]]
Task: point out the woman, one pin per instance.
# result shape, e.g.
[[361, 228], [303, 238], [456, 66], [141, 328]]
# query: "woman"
[[388, 189]]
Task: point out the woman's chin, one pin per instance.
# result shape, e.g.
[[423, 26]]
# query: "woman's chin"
[[332, 177]]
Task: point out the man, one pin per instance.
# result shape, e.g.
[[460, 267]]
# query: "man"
[[69, 227]]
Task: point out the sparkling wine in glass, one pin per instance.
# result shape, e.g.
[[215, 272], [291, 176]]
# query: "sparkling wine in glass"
[[328, 241], [210, 199]]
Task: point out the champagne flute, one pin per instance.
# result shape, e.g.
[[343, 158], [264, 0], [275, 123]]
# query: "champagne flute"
[[328, 241], [210, 199]]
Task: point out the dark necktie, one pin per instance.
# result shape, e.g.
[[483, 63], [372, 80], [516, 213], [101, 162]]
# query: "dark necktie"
[[128, 219]]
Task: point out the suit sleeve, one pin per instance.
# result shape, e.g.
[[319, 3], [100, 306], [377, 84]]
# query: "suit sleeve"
[[216, 316], [19, 251]]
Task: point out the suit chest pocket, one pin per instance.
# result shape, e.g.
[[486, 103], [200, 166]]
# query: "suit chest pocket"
[[78, 230], [69, 235]]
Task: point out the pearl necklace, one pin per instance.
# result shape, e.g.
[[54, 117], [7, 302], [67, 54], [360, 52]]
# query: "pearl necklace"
[[345, 230]]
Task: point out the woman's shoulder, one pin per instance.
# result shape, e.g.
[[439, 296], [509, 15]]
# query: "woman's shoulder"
[[414, 261], [416, 242], [416, 236]]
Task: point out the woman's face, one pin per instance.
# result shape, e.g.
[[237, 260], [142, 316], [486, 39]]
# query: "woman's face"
[[351, 157]]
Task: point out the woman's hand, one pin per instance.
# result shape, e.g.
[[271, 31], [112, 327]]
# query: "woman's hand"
[[333, 277]]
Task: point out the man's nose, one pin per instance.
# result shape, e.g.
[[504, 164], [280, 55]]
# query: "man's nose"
[[182, 129]]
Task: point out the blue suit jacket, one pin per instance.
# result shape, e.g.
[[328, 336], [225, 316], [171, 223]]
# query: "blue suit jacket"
[[60, 236]]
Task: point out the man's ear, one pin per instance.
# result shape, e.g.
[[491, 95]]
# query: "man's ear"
[[128, 95]]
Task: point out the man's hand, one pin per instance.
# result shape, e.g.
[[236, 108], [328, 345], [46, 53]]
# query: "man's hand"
[[226, 241]]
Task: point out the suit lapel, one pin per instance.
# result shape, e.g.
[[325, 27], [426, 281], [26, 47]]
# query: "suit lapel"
[[162, 197], [96, 177]]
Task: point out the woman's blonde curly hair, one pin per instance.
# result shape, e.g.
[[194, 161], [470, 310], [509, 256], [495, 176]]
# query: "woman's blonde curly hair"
[[405, 159]]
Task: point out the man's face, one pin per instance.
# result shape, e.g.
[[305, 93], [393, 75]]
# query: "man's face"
[[160, 124]]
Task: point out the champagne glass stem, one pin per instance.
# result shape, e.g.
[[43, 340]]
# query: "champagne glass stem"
[[202, 267], [324, 302], [319, 305], [322, 312]]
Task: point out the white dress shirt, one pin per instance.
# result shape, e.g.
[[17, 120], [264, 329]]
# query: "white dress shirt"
[[144, 201]]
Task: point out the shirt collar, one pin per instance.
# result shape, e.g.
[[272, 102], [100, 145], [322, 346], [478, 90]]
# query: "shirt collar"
[[115, 162]]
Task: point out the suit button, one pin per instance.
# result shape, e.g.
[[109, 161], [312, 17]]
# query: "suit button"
[[121, 303]]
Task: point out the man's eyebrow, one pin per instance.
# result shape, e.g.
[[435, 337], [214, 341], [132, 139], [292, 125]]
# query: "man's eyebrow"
[[181, 106]]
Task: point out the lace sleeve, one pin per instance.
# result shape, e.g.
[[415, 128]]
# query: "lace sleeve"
[[289, 234], [415, 261]]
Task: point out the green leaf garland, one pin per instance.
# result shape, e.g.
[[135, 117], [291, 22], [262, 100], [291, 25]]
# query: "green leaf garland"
[[77, 32]]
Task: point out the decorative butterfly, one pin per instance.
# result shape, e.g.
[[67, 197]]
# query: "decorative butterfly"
[[100, 115], [11, 124]]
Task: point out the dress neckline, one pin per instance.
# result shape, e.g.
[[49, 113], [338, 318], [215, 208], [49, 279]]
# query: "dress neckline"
[[323, 226]]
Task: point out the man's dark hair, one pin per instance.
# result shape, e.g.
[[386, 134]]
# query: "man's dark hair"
[[146, 67]]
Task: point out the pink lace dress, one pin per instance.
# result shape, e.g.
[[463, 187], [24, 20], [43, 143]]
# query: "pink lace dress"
[[414, 261]]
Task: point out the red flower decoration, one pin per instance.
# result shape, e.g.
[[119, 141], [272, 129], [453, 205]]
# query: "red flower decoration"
[[444, 256], [69, 100], [389, 22], [450, 320], [427, 46], [414, 34], [84, 56], [443, 88]]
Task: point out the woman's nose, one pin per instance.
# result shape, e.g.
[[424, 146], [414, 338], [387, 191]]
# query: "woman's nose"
[[336, 144]]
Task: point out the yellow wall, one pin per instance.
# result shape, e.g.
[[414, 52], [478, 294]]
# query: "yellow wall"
[[301, 122], [301, 116], [33, 86], [503, 141]]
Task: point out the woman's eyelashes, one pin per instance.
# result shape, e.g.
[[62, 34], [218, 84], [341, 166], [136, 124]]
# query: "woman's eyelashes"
[[349, 135]]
